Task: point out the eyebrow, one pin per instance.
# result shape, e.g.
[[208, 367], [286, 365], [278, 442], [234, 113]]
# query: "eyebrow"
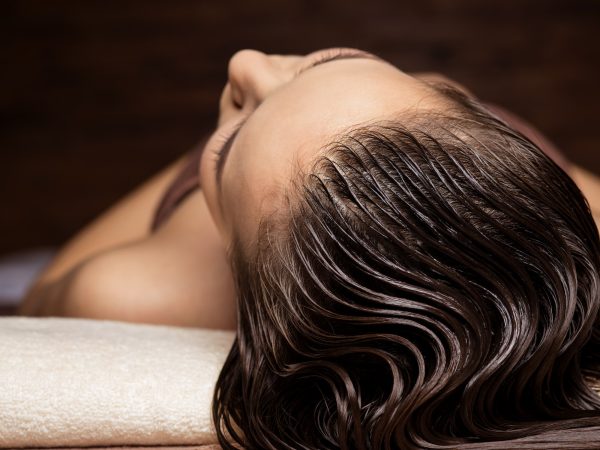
[[224, 152]]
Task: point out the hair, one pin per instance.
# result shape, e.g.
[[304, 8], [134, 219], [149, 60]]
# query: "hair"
[[431, 283]]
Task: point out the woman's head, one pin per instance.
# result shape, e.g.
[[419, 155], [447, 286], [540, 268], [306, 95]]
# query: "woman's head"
[[289, 108], [428, 277]]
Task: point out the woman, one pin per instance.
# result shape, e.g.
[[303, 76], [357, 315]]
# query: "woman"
[[403, 267]]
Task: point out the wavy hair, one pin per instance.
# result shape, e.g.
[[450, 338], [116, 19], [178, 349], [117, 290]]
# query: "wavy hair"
[[431, 283]]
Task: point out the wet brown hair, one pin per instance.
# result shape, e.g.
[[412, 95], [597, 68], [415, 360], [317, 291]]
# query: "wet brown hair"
[[432, 284]]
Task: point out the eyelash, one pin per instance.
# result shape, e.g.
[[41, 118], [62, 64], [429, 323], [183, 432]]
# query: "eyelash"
[[222, 140], [330, 55], [333, 54]]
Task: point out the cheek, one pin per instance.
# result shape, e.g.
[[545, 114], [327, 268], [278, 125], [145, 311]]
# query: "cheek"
[[206, 160]]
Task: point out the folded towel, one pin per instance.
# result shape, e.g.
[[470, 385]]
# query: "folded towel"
[[86, 382]]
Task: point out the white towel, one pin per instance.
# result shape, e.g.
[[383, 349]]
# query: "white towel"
[[87, 382]]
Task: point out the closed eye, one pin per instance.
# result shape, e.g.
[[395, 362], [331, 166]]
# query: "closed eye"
[[223, 149], [335, 54]]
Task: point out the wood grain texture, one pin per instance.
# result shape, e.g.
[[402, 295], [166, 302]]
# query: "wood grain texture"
[[96, 96]]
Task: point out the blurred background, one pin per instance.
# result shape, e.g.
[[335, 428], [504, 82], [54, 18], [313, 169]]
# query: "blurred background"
[[97, 96]]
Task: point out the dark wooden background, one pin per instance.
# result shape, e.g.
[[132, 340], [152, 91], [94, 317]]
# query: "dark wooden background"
[[96, 96]]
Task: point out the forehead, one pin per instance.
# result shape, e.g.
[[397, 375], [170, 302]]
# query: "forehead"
[[293, 124]]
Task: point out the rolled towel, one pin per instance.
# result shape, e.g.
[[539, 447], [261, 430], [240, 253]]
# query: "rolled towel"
[[85, 382]]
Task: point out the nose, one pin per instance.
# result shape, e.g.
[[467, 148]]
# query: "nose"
[[253, 75]]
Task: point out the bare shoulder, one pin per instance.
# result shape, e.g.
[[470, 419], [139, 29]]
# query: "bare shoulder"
[[589, 184], [126, 221], [179, 276]]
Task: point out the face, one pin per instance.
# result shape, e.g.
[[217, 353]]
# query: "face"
[[282, 111]]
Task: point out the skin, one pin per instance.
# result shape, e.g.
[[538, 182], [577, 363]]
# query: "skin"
[[281, 108], [117, 269]]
